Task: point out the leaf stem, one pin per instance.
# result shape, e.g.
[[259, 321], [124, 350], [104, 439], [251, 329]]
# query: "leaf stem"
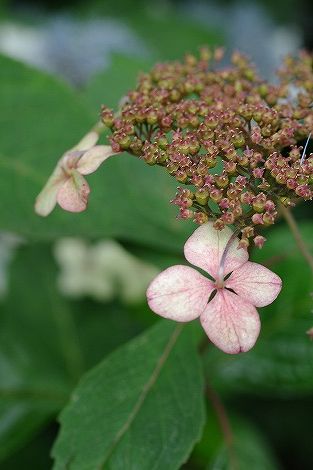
[[59, 397], [224, 423], [286, 213], [99, 128], [68, 338]]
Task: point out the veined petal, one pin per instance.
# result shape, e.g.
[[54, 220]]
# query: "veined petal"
[[47, 198], [179, 293], [230, 322], [205, 247], [88, 141], [255, 283], [92, 159], [73, 194]]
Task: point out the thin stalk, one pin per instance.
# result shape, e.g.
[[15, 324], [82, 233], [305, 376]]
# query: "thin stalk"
[[224, 423], [297, 235], [99, 127]]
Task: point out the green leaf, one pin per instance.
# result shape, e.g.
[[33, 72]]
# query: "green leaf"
[[38, 361], [249, 450], [46, 343], [281, 363], [129, 200], [142, 407]]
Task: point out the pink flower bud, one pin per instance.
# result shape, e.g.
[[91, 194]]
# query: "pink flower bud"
[[257, 219], [269, 206], [258, 172], [259, 241]]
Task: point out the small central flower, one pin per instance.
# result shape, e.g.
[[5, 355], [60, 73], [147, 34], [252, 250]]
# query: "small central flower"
[[67, 185], [219, 284], [229, 317]]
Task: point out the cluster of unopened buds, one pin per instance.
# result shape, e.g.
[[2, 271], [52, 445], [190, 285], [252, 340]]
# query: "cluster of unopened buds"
[[238, 147], [233, 140]]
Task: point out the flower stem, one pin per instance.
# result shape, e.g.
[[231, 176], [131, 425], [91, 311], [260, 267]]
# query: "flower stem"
[[224, 423], [98, 128], [297, 235]]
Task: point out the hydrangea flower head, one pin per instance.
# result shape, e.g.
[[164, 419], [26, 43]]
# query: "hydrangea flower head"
[[225, 305], [232, 140], [67, 185]]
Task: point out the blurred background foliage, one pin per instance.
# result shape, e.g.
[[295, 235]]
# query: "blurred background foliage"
[[60, 62]]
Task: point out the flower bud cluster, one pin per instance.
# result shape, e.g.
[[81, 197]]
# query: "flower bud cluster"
[[233, 139]]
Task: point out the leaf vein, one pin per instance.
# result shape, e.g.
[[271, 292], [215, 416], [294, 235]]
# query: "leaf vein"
[[145, 391]]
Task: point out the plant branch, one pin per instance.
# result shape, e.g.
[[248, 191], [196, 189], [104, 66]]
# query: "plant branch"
[[297, 235], [224, 423], [99, 128]]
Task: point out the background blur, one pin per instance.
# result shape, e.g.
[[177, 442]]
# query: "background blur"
[[72, 288]]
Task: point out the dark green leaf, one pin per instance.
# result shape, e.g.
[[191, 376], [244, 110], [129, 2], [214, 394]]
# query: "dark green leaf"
[[249, 450], [142, 407], [46, 343], [39, 359], [35, 455]]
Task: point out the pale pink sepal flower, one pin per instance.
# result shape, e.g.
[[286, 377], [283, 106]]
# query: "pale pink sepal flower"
[[67, 185], [226, 305]]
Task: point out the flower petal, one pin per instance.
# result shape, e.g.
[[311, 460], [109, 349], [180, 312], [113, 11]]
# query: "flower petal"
[[47, 198], [255, 283], [179, 293], [73, 194], [92, 159], [230, 322], [205, 247], [88, 141]]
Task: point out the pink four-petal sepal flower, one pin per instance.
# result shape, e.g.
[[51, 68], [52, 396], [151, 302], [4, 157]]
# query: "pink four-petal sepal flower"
[[67, 185], [227, 304]]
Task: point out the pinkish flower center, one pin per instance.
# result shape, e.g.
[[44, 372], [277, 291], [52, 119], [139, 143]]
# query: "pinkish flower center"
[[70, 161], [219, 283]]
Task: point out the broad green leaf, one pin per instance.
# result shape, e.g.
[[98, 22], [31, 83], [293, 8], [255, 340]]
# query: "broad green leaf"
[[46, 343], [142, 407], [39, 359], [281, 363], [129, 200], [249, 450]]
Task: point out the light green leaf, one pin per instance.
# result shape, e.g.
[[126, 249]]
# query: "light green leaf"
[[281, 363], [142, 407], [38, 124]]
